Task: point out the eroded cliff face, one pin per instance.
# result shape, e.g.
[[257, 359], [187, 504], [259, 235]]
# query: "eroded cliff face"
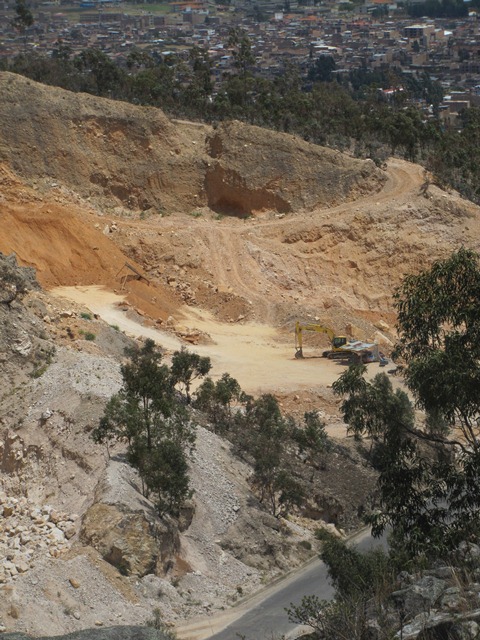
[[102, 149], [137, 158], [253, 169]]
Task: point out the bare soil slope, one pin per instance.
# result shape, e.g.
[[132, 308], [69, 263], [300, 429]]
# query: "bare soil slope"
[[109, 150], [135, 157], [88, 185]]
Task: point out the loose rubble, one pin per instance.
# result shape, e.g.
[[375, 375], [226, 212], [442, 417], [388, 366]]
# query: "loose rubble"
[[29, 532]]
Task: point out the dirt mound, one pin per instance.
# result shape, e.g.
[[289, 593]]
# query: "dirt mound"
[[254, 169], [67, 243]]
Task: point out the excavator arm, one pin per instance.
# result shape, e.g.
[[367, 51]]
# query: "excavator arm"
[[300, 328]]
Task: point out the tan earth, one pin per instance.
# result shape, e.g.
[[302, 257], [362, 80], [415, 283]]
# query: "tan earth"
[[247, 280], [218, 239]]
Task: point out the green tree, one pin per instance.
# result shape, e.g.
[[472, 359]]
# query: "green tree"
[[165, 472], [138, 59], [321, 70], [23, 19], [197, 86], [215, 399], [147, 386], [146, 415], [312, 439], [102, 76], [155, 85], [262, 435], [429, 474], [241, 46], [187, 367], [404, 129], [360, 581], [439, 322]]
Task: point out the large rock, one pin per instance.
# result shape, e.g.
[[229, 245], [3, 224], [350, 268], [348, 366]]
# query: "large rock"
[[419, 597], [132, 543], [14, 280], [123, 526]]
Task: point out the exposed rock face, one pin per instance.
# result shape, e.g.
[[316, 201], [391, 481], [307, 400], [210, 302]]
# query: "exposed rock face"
[[255, 169], [441, 603], [124, 528], [22, 340], [137, 157], [128, 541], [14, 280], [421, 596]]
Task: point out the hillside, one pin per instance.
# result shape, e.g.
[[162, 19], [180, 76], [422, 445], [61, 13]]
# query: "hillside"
[[219, 238]]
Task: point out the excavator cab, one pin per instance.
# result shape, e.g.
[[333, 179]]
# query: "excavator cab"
[[339, 341]]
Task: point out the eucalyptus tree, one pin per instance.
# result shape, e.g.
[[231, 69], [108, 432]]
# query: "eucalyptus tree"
[[147, 415], [429, 479]]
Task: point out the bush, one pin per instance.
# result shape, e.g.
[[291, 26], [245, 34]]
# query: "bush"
[[157, 623], [353, 573], [362, 584]]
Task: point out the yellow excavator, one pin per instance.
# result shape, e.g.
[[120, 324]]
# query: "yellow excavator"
[[336, 341]]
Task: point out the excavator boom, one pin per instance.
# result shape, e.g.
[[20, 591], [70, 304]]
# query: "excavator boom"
[[336, 341]]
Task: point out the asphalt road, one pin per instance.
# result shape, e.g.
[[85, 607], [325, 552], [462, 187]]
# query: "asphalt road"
[[268, 620]]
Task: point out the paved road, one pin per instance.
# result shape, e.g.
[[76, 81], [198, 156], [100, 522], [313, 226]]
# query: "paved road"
[[268, 619]]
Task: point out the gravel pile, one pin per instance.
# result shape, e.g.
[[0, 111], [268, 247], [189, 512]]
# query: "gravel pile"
[[70, 594], [212, 486], [83, 373], [220, 495], [29, 532]]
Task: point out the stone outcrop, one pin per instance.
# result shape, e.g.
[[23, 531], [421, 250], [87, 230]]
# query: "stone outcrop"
[[129, 541], [14, 280], [441, 603], [124, 528]]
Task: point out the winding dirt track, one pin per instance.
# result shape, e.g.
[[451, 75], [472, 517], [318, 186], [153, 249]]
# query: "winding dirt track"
[[231, 259], [258, 355]]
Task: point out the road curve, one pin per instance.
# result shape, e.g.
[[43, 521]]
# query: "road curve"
[[263, 616]]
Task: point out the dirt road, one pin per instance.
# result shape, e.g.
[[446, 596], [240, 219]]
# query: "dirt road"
[[253, 259], [251, 352]]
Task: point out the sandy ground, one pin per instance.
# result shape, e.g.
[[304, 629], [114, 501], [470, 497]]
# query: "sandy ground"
[[250, 352]]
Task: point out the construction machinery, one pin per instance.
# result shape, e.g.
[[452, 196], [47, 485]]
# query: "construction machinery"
[[337, 342]]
